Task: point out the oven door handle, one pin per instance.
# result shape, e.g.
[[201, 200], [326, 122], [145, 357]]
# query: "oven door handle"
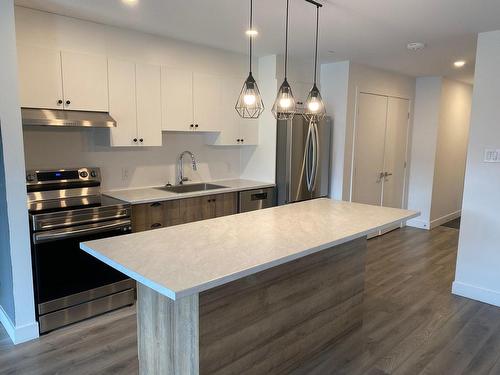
[[61, 234]]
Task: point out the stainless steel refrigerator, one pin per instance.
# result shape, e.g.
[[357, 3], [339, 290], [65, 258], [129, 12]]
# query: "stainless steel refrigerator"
[[303, 154]]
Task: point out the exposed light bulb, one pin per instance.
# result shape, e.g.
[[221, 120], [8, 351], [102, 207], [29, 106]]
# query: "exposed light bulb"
[[313, 105], [249, 99], [130, 2], [459, 63], [285, 102], [252, 32]]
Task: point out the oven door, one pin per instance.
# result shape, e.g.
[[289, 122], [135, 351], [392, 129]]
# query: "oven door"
[[65, 275]]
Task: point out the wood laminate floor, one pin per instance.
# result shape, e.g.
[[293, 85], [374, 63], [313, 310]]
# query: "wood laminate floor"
[[412, 324]]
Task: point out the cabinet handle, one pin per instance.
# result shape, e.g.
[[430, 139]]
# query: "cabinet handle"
[[135, 140], [155, 204], [195, 125], [238, 140], [60, 102], [68, 102], [242, 140], [155, 225], [141, 140], [191, 125]]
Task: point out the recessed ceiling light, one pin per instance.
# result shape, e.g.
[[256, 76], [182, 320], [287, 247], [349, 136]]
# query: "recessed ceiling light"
[[130, 2], [415, 46], [459, 63], [252, 32]]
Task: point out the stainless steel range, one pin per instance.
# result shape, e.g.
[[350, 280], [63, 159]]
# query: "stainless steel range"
[[65, 208]]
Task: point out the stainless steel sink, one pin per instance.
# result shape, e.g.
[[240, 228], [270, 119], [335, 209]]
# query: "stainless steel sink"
[[190, 188]]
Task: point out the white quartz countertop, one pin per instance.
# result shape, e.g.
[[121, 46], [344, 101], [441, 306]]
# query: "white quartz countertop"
[[153, 194], [186, 259]]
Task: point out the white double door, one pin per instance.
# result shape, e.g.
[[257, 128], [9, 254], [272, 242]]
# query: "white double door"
[[380, 150]]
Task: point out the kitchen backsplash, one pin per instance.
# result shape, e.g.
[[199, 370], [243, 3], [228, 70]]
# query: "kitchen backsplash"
[[128, 167]]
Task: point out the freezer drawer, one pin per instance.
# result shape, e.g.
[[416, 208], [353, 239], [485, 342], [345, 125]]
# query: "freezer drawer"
[[257, 199]]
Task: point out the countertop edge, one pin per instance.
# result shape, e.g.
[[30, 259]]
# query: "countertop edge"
[[238, 275]]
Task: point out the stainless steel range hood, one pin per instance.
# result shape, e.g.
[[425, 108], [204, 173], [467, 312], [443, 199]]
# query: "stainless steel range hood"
[[59, 117]]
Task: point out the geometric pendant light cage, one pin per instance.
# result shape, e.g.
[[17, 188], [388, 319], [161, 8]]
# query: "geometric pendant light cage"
[[250, 103], [314, 109], [284, 107]]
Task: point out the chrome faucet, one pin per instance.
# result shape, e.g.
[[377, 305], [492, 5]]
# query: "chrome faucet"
[[180, 166]]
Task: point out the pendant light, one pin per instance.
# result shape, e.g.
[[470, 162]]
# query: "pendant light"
[[250, 104], [284, 105], [314, 107]]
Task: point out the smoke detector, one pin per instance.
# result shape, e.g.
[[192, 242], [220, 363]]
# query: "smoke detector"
[[415, 46]]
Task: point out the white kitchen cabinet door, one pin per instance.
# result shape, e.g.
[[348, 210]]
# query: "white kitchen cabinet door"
[[230, 120], [300, 92], [122, 102], [234, 130], [249, 132], [177, 99], [40, 77], [148, 93], [85, 81], [207, 99]]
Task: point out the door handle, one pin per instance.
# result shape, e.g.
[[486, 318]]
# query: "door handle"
[[386, 174], [381, 175]]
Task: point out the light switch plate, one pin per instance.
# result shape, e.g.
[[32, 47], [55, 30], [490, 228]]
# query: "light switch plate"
[[492, 155]]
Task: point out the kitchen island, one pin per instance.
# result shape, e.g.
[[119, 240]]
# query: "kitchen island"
[[258, 292]]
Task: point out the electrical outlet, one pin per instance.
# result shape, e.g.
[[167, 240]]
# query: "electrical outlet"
[[125, 174], [491, 155]]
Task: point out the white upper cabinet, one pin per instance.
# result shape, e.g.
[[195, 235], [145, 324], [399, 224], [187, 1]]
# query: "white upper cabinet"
[[53, 79], [85, 81], [135, 103], [207, 100], [234, 130], [148, 92], [40, 77], [122, 102], [177, 99]]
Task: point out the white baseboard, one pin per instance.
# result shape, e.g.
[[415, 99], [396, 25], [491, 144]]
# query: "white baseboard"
[[444, 219], [417, 223], [489, 296], [18, 334]]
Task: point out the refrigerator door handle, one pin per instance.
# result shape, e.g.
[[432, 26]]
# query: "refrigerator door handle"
[[316, 155], [311, 157]]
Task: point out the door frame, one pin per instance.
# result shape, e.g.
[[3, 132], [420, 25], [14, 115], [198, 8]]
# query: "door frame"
[[359, 91]]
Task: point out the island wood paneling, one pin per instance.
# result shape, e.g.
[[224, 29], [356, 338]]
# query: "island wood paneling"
[[167, 333], [274, 321]]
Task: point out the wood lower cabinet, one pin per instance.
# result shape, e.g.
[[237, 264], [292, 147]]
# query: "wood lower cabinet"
[[174, 212]]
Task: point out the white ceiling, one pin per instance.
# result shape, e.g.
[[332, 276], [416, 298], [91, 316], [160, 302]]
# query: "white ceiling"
[[373, 32]]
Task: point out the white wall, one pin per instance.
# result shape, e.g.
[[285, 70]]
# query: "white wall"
[[148, 166], [335, 91], [17, 302], [439, 149], [128, 167], [423, 149], [361, 78], [451, 152], [478, 264]]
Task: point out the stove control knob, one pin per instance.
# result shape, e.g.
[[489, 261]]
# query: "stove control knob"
[[93, 174], [30, 177], [84, 174]]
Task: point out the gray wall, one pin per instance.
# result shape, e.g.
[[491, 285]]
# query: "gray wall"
[[6, 291]]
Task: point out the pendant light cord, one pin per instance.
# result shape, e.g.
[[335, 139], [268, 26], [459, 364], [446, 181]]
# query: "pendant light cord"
[[286, 39], [316, 49], [251, 36]]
